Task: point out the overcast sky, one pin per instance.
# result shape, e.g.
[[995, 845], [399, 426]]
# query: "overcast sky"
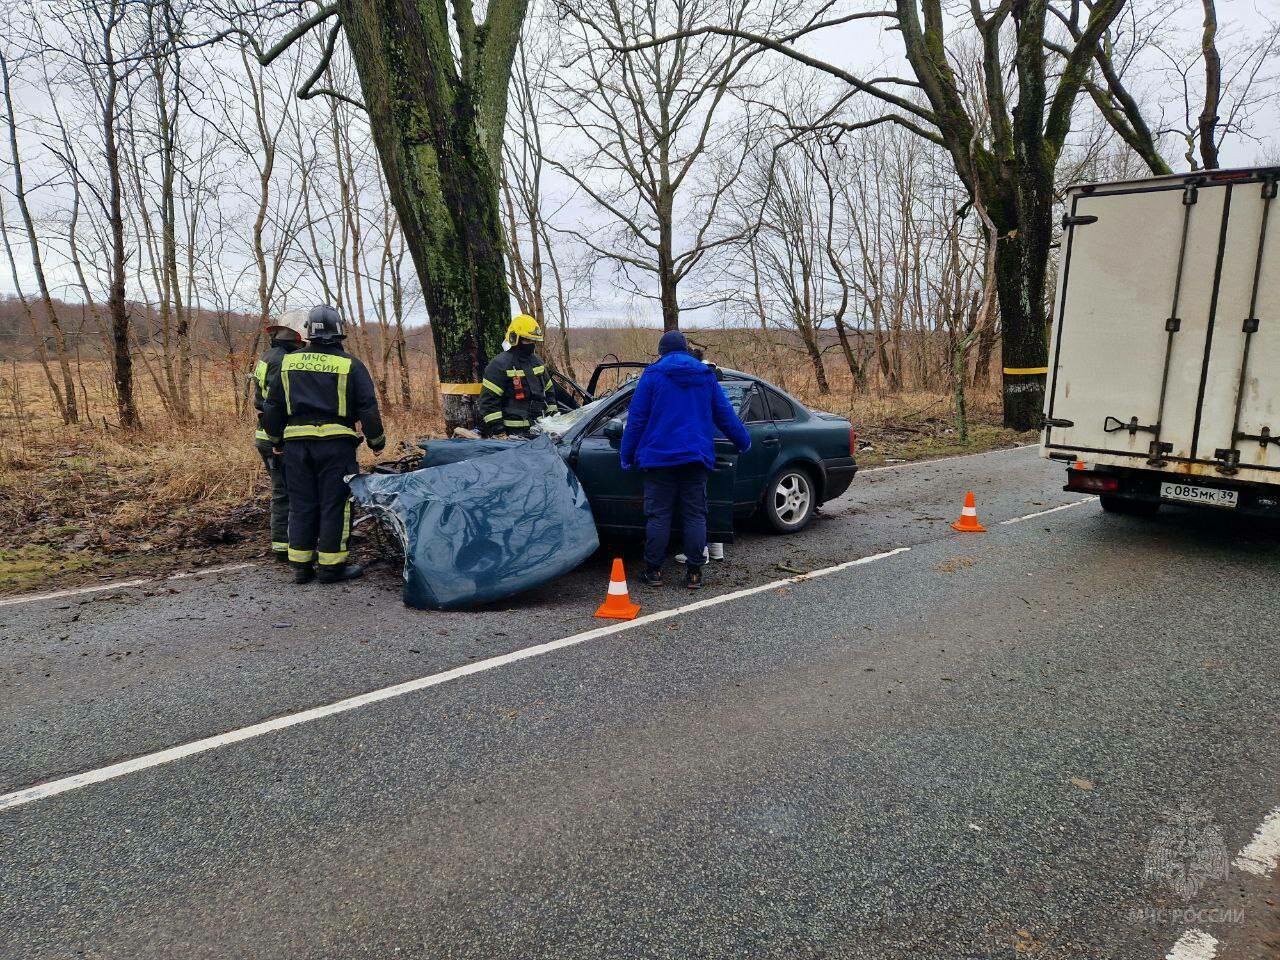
[[865, 48]]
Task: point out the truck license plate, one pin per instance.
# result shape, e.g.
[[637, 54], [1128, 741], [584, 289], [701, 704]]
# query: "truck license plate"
[[1190, 493]]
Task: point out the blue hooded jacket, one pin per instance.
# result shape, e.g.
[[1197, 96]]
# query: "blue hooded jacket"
[[672, 420]]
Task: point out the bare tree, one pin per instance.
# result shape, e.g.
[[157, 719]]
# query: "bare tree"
[[665, 128], [65, 397], [530, 250], [102, 54], [1009, 154], [434, 84], [1220, 83]]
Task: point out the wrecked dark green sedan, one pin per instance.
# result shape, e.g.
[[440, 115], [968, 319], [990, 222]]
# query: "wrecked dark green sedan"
[[799, 458]]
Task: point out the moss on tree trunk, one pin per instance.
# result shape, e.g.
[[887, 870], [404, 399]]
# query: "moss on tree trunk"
[[437, 123]]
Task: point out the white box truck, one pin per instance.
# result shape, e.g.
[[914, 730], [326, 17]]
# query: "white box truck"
[[1164, 359]]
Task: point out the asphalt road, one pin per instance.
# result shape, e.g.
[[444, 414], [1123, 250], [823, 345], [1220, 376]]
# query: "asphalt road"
[[987, 745]]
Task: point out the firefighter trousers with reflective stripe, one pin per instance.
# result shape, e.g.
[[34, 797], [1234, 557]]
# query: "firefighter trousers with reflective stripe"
[[319, 498], [279, 496]]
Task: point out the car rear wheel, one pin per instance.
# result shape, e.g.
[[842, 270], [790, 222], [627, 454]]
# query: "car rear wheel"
[[790, 500]]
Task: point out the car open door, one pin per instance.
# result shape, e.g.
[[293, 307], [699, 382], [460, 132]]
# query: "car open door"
[[720, 493], [569, 395], [617, 495]]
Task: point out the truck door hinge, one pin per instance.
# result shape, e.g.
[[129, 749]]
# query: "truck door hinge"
[[1230, 460], [1173, 324], [1077, 220], [1251, 325], [1269, 188], [1190, 194], [1058, 422], [1156, 452]]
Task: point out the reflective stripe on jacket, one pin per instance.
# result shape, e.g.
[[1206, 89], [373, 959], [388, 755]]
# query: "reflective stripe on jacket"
[[268, 367], [515, 392], [322, 392]]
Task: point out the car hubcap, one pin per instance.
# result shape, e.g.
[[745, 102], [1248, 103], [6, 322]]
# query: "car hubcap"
[[791, 498]]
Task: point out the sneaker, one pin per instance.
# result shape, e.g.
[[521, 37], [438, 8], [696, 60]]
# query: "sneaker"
[[693, 578], [651, 576], [347, 571], [303, 573], [715, 551], [706, 554]]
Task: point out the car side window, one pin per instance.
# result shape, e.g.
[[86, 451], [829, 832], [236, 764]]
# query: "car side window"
[[780, 408], [617, 411], [756, 409]]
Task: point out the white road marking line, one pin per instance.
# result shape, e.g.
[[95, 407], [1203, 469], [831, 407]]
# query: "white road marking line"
[[1041, 513], [958, 456], [206, 571], [1261, 855], [122, 584], [90, 777], [1194, 945], [32, 598]]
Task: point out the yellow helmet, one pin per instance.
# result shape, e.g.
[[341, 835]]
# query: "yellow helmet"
[[524, 327]]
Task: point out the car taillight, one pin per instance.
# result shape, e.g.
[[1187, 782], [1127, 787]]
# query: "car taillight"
[[1088, 482], [853, 442]]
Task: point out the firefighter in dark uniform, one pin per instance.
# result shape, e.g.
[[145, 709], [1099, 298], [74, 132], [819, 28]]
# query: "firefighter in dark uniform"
[[312, 408], [517, 387], [288, 333]]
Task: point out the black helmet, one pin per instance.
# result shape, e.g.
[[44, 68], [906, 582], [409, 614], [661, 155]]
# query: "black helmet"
[[324, 324]]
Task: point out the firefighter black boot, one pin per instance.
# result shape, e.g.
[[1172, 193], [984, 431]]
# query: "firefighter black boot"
[[302, 573], [339, 572]]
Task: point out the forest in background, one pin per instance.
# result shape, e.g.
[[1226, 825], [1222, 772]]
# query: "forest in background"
[[164, 192]]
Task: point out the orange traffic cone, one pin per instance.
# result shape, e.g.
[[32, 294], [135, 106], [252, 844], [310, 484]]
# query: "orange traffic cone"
[[968, 522], [617, 604]]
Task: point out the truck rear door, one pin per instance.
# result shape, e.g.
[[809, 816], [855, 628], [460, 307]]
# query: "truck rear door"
[[1162, 283]]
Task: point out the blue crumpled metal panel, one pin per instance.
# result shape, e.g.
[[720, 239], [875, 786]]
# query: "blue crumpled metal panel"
[[481, 529]]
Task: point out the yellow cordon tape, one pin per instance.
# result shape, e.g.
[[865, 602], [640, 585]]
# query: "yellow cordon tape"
[[460, 389], [1025, 371]]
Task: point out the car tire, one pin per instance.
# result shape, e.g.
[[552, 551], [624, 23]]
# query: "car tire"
[[1127, 507], [790, 500]]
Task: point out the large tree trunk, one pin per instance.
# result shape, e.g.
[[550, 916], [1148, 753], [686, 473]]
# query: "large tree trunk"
[[438, 133], [1022, 265]]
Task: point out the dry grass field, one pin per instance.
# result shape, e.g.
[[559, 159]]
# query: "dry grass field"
[[78, 502]]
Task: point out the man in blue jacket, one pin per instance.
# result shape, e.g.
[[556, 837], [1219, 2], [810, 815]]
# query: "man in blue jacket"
[[670, 434]]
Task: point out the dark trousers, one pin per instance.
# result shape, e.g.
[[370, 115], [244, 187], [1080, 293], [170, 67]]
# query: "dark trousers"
[[279, 496], [319, 498], [665, 489]]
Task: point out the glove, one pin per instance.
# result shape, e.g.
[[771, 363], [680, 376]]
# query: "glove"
[[628, 465], [379, 448]]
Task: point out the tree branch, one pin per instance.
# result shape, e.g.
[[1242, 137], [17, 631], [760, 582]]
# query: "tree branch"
[[780, 45]]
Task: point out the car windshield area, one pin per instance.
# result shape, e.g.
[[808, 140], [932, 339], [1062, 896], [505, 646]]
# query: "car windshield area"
[[560, 424]]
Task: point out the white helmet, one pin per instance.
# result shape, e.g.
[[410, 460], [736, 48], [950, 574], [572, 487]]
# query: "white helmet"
[[295, 320]]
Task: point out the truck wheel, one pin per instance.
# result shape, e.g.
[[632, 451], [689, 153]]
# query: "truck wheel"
[[790, 500], [1132, 508]]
